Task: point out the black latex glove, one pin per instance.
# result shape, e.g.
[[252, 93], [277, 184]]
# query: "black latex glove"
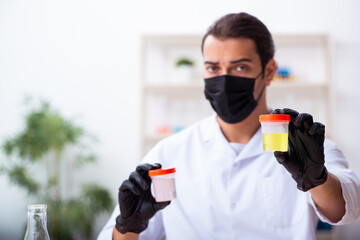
[[305, 157], [137, 205]]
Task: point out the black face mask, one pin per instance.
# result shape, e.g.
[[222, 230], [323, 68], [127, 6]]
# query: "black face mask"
[[232, 97]]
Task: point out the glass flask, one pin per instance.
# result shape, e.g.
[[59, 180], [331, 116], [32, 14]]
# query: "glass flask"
[[36, 226]]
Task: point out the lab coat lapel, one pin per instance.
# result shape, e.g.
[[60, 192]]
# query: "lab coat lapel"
[[253, 148], [216, 139]]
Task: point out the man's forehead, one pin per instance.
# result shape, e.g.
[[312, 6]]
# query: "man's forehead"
[[216, 41], [232, 50]]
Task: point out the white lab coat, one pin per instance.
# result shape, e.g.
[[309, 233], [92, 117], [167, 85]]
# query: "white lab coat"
[[222, 195]]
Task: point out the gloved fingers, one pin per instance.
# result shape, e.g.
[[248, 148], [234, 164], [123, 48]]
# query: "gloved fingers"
[[138, 180], [146, 167], [160, 205], [277, 111], [127, 185], [143, 169], [293, 114], [281, 157], [303, 121], [317, 129], [296, 140]]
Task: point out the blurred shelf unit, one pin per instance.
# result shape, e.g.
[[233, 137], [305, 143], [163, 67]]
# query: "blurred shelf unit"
[[304, 78], [173, 94]]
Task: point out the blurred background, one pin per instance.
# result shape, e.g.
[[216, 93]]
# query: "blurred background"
[[93, 62]]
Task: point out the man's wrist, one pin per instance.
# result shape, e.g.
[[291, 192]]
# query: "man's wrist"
[[127, 225]]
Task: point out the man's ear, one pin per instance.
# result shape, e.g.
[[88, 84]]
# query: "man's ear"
[[270, 70]]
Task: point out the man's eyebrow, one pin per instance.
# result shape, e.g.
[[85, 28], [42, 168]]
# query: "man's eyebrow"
[[232, 62], [212, 63], [241, 60]]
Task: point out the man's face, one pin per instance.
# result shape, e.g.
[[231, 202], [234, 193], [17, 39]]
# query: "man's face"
[[233, 56]]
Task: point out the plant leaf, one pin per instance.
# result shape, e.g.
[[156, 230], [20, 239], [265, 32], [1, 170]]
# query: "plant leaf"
[[97, 197], [19, 175]]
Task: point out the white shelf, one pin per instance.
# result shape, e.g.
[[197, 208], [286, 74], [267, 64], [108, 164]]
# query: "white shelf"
[[172, 86], [155, 137], [297, 84]]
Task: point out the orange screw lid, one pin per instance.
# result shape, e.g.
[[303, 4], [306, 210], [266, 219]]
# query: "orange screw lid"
[[158, 172], [274, 118]]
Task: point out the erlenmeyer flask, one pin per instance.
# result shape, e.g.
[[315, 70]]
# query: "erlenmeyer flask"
[[36, 226]]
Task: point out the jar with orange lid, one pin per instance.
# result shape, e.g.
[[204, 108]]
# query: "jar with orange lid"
[[275, 129], [163, 181]]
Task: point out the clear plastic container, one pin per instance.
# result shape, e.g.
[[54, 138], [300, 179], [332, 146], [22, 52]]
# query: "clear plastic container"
[[275, 129], [163, 184]]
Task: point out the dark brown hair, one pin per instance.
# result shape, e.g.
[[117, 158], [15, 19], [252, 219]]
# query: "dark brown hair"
[[243, 25]]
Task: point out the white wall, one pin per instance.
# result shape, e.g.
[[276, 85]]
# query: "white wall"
[[83, 56]]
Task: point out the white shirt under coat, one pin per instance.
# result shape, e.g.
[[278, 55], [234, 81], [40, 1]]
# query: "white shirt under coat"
[[225, 195]]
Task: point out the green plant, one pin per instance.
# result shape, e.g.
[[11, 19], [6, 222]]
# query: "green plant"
[[43, 142], [184, 62]]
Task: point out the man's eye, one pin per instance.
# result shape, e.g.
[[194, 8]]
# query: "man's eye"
[[241, 68], [211, 68]]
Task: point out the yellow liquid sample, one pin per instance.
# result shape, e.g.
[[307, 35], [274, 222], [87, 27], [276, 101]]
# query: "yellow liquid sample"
[[275, 142]]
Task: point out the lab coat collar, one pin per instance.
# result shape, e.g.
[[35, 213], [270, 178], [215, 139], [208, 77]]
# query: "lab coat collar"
[[214, 136], [253, 148]]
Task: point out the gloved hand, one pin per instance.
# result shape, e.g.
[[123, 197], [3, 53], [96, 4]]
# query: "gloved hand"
[[137, 205], [305, 157]]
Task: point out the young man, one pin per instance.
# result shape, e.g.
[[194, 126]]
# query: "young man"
[[227, 187]]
